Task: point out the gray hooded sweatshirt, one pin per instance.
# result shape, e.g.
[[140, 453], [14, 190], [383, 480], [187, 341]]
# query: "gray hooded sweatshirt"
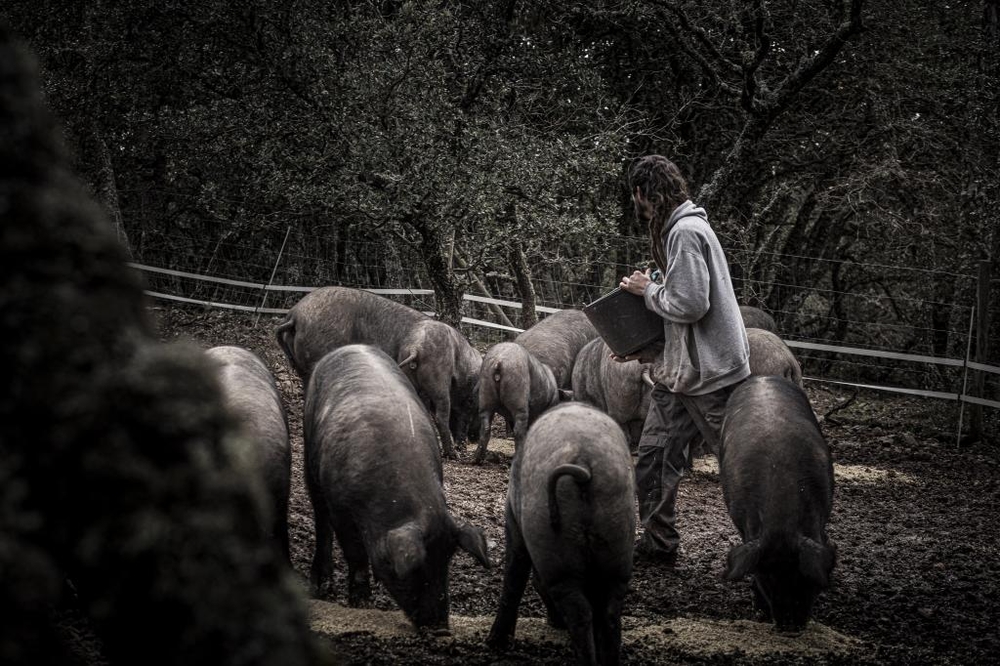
[[705, 342]]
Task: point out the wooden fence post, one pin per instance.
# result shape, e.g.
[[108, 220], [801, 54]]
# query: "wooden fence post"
[[277, 262], [982, 349]]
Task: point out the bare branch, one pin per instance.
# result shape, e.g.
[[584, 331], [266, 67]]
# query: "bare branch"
[[764, 111], [763, 42], [809, 67], [726, 66]]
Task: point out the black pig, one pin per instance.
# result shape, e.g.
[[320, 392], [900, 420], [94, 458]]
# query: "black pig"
[[516, 385], [557, 339], [769, 355], [777, 481], [374, 475], [620, 390], [757, 318], [570, 516], [252, 397], [438, 359]]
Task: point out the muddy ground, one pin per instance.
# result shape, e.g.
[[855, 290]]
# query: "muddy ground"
[[917, 579]]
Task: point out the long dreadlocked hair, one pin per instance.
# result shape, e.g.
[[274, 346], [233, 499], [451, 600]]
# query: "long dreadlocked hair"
[[661, 183]]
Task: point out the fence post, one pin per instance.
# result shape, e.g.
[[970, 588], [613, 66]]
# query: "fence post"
[[965, 378], [982, 349], [274, 271]]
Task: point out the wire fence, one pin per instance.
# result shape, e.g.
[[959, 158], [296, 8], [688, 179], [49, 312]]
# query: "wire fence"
[[865, 336]]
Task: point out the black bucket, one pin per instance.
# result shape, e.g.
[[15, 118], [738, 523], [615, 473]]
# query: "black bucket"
[[623, 321]]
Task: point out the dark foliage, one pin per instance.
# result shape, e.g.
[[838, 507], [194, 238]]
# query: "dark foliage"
[[119, 494]]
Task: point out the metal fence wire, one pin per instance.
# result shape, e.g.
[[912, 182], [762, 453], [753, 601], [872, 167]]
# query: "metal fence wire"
[[864, 336]]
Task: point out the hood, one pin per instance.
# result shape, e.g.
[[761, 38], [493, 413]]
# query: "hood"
[[686, 209]]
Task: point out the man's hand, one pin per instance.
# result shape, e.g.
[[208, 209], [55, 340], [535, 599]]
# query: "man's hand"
[[636, 283], [649, 354]]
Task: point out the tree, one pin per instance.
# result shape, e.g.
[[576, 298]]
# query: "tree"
[[407, 144]]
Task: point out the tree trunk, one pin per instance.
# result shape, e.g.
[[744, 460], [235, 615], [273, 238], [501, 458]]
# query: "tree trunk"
[[434, 248], [522, 273], [519, 266], [107, 188]]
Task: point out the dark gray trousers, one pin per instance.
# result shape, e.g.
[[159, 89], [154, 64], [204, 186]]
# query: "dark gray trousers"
[[672, 424]]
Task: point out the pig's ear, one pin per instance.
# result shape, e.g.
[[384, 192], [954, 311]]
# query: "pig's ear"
[[565, 395], [405, 546], [742, 560], [816, 560], [473, 541]]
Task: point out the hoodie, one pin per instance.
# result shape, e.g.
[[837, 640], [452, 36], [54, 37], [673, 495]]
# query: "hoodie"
[[705, 342]]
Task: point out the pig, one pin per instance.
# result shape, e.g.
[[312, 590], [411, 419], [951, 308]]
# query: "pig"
[[769, 355], [373, 472], [439, 360], [556, 340], [570, 517], [516, 385], [620, 390], [777, 483], [251, 395], [757, 318]]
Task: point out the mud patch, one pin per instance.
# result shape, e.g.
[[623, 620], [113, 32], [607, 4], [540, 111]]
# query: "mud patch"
[[709, 466], [713, 638], [681, 637]]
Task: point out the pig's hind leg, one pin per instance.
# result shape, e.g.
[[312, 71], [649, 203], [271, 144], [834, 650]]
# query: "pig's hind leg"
[[608, 604], [574, 607], [322, 564], [442, 419], [521, 422], [517, 569], [485, 420], [554, 617]]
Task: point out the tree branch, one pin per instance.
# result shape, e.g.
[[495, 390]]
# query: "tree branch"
[[764, 111], [809, 67], [758, 18], [702, 37]]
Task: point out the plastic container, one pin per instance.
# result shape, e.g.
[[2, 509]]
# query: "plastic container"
[[623, 321]]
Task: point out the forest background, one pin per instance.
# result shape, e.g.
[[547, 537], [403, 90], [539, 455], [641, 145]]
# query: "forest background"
[[483, 146]]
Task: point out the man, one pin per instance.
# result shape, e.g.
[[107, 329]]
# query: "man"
[[705, 350]]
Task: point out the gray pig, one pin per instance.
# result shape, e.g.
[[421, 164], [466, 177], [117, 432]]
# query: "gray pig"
[[373, 471], [570, 516], [440, 362], [777, 482], [757, 318], [620, 390], [557, 339], [769, 355], [516, 385], [251, 395]]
